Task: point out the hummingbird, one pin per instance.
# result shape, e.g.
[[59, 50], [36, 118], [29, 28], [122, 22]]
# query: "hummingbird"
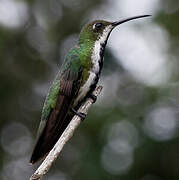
[[73, 84]]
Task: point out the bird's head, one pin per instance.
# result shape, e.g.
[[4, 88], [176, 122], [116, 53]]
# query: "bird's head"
[[100, 30]]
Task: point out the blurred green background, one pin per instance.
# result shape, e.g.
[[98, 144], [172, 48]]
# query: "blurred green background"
[[132, 132]]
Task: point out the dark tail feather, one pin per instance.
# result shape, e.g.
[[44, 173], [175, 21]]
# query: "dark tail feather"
[[45, 143], [55, 125]]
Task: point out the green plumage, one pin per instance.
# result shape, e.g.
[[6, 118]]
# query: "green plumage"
[[50, 103], [72, 63]]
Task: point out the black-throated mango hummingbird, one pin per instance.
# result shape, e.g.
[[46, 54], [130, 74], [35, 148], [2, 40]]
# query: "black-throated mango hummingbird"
[[75, 82]]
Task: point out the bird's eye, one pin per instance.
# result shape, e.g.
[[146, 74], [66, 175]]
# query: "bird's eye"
[[97, 26]]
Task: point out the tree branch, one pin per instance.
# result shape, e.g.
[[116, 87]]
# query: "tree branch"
[[67, 134]]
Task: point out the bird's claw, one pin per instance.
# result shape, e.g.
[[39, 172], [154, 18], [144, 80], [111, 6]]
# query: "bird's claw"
[[81, 115], [93, 97]]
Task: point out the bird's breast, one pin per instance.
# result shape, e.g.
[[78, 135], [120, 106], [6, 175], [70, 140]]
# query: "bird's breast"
[[86, 87]]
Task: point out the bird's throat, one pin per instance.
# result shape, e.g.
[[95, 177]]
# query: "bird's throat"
[[98, 51]]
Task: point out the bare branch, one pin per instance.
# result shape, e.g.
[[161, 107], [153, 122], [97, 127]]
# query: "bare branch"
[[67, 134]]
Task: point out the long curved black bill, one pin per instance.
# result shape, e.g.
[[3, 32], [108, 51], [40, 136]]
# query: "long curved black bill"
[[128, 19]]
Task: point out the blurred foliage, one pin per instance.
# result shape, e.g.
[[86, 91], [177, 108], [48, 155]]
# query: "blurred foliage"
[[131, 133]]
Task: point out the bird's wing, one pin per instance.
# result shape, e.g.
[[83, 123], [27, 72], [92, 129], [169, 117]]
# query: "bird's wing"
[[56, 108]]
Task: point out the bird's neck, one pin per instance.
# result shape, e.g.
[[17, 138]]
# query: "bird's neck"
[[97, 56], [92, 53]]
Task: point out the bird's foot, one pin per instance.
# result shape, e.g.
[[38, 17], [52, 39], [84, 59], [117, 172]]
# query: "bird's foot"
[[81, 115], [93, 97]]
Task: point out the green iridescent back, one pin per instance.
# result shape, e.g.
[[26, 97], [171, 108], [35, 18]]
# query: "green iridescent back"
[[78, 57]]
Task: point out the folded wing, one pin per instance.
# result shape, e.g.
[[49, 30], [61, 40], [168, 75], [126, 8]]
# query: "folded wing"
[[56, 108]]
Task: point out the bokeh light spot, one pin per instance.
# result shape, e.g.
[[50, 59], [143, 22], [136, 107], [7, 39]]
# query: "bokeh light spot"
[[13, 13], [161, 123], [16, 139]]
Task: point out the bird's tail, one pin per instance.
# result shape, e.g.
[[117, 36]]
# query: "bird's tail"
[[46, 141]]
